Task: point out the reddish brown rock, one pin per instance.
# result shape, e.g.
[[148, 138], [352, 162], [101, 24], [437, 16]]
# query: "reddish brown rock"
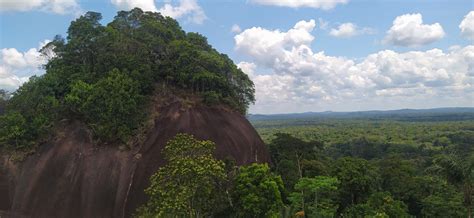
[[71, 177]]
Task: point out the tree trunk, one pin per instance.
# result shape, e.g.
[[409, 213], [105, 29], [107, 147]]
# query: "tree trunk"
[[301, 176]]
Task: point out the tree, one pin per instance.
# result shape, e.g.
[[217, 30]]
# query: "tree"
[[187, 186], [257, 192], [314, 196], [379, 204], [36, 104], [13, 132], [358, 180], [292, 158], [397, 177], [4, 95], [459, 171], [445, 202]]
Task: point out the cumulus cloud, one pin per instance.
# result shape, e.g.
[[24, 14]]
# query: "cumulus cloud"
[[16, 67], [347, 30], [235, 29], [146, 5], [467, 26], [299, 79], [265, 45], [409, 30], [189, 9], [186, 7], [54, 6], [321, 4]]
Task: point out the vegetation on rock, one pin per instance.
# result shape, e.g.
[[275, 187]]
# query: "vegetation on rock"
[[104, 75], [187, 186], [195, 184]]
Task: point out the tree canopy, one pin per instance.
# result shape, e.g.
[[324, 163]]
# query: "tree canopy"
[[104, 74], [258, 192], [187, 185]]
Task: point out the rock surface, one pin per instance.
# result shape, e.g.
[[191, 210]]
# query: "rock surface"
[[72, 177]]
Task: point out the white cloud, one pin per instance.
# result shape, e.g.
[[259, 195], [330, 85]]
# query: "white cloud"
[[16, 67], [323, 24], [321, 4], [265, 44], [22, 5], [236, 29], [146, 5], [344, 30], [185, 8], [409, 30], [248, 68], [10, 81], [467, 26], [299, 79], [55, 6], [347, 30]]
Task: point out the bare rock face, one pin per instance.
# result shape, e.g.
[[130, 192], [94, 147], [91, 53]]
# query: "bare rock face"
[[71, 177]]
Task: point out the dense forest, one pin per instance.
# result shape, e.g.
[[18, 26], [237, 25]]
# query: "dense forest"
[[379, 168], [106, 75]]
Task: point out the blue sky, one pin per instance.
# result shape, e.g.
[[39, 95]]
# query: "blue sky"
[[368, 61]]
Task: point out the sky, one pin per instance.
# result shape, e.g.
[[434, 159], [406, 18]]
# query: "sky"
[[306, 55]]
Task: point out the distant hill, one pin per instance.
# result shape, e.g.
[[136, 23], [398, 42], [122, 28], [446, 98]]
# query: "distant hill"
[[435, 114]]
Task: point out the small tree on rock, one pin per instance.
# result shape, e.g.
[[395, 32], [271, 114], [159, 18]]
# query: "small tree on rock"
[[187, 186]]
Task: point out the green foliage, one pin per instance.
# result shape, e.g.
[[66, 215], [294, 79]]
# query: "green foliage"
[[13, 130], [4, 96], [380, 204], [459, 171], [211, 97], [437, 206], [383, 202], [358, 178], [444, 203], [423, 168], [111, 106], [398, 177], [336, 131], [295, 158], [314, 196], [257, 192], [103, 74], [33, 109], [187, 185]]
